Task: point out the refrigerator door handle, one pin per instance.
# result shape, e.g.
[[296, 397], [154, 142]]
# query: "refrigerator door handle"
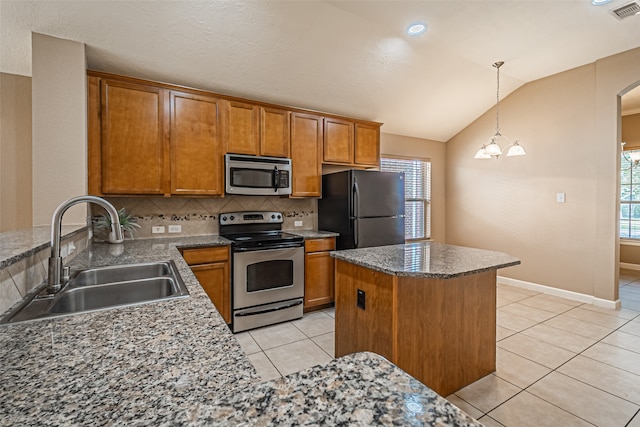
[[355, 233], [356, 199]]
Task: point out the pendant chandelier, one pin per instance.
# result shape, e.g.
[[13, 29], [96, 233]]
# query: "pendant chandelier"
[[492, 150]]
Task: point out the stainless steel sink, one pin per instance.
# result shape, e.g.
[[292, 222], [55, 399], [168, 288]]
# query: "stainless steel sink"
[[104, 288]]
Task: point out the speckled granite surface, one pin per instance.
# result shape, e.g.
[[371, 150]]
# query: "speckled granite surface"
[[16, 245], [313, 234], [177, 363], [428, 259]]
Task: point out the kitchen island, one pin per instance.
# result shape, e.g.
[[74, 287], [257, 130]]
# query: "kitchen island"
[[177, 363], [429, 308]]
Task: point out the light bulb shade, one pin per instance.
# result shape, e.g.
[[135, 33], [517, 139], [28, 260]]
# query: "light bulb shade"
[[516, 150], [480, 154], [493, 149]]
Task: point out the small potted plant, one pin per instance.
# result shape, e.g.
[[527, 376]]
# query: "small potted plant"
[[129, 224]]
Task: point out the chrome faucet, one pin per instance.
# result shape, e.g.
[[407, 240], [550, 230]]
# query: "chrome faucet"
[[55, 262]]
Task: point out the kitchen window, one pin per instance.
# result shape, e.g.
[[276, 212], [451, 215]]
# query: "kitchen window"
[[417, 193], [629, 197]]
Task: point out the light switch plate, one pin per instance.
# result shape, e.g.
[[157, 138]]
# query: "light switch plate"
[[157, 229], [175, 229], [297, 223], [560, 197]]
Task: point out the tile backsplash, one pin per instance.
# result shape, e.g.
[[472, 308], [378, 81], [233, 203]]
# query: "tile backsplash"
[[199, 216]]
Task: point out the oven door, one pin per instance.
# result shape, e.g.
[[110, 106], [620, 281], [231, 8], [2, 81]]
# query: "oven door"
[[267, 275]]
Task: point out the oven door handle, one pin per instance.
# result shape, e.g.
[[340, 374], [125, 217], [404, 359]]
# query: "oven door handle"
[[269, 310], [264, 248]]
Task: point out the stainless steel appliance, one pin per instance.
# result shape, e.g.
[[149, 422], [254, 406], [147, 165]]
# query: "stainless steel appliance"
[[267, 269], [254, 175], [365, 207]]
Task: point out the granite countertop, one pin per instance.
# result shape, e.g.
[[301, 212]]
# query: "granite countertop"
[[177, 363], [313, 234], [427, 259]]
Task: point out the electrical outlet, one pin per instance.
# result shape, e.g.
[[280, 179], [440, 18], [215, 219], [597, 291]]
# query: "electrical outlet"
[[297, 223], [175, 229], [560, 197], [157, 229]]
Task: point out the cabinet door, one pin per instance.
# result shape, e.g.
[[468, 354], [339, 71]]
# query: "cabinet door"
[[274, 132], [242, 127], [318, 279], [215, 281], [196, 151], [367, 145], [338, 141], [306, 155], [133, 152]]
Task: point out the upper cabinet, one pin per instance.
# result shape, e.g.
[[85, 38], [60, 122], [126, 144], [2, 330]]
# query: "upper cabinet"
[[149, 138], [351, 143], [306, 155]]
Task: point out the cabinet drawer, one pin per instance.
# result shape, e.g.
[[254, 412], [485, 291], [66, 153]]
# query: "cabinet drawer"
[[206, 255], [317, 245]]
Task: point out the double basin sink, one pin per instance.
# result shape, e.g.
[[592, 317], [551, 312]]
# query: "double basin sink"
[[103, 288]]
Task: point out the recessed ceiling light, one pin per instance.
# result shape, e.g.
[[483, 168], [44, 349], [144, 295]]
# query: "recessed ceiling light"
[[599, 2], [416, 29]]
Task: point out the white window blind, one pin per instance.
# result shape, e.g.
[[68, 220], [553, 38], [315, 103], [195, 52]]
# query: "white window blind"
[[417, 193], [629, 198]]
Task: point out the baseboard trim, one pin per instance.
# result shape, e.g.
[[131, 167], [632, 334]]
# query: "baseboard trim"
[[629, 266], [562, 293]]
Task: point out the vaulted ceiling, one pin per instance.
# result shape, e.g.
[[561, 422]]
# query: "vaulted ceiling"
[[346, 57]]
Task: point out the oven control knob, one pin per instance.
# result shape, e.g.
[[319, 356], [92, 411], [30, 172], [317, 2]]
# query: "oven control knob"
[[224, 218], [273, 216], [279, 216], [232, 217]]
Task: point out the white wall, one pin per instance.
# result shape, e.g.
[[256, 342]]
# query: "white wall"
[[59, 127], [15, 152], [569, 125], [399, 145]]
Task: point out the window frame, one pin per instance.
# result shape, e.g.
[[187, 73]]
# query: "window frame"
[[625, 165], [426, 220]]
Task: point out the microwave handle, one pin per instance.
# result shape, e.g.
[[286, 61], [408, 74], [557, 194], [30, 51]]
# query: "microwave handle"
[[275, 178]]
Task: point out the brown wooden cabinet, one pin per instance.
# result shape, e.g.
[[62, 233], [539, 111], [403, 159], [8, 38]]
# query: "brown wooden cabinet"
[[367, 145], [319, 273], [306, 155], [338, 141], [242, 127], [274, 132], [196, 152], [145, 139], [211, 267], [132, 149]]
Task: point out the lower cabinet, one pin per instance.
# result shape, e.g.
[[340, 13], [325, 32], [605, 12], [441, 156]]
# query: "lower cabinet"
[[211, 268], [319, 282]]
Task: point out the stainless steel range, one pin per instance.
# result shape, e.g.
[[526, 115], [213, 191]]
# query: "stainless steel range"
[[267, 269]]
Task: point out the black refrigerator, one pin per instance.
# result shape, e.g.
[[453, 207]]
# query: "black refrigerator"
[[365, 207]]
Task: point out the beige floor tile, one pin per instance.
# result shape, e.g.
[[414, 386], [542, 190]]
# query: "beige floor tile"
[[632, 327], [316, 323], [330, 312], [580, 327], [631, 305], [501, 301], [297, 356], [539, 301], [624, 340], [513, 294], [488, 392], [527, 410], [327, 342], [466, 407], [635, 422], [518, 370], [276, 335], [263, 366], [601, 319], [621, 312], [248, 344], [614, 356], [537, 351], [583, 400], [605, 377], [527, 312], [560, 338], [487, 421], [627, 276], [553, 298], [513, 321], [502, 333]]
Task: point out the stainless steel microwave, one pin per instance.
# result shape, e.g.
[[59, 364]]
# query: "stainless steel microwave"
[[255, 175]]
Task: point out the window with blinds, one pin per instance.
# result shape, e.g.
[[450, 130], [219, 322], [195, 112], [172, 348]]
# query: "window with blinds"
[[629, 197], [417, 193]]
